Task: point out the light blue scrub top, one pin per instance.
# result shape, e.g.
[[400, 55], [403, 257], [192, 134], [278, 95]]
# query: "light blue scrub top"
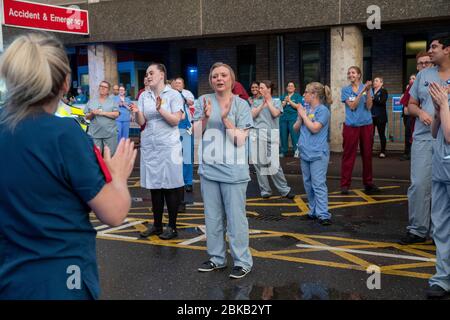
[[419, 91], [265, 120], [441, 159], [220, 160], [124, 115], [312, 146], [361, 116]]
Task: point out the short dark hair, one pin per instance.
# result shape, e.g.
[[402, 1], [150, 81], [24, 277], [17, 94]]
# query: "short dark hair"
[[104, 81], [287, 83], [442, 38], [378, 77], [268, 84]]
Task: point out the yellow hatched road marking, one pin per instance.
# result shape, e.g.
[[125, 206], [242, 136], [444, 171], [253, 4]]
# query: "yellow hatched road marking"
[[408, 266]]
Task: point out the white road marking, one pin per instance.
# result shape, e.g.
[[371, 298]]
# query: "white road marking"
[[194, 240], [121, 227], [116, 236], [101, 227], [370, 253]]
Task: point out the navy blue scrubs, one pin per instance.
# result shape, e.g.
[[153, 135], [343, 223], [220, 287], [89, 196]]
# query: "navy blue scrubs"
[[48, 173]]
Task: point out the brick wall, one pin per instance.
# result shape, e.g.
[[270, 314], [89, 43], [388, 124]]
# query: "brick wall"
[[387, 62], [387, 56]]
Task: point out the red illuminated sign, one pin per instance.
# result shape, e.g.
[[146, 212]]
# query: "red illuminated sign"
[[30, 15]]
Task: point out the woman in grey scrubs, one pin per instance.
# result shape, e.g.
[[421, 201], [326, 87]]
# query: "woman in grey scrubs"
[[265, 140], [222, 121], [161, 109], [440, 191]]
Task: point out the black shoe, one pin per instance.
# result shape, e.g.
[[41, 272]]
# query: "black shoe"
[[436, 291], [290, 195], [405, 157], [325, 222], [238, 272], [151, 231], [371, 189], [210, 266], [188, 188], [169, 233], [344, 190], [411, 239], [309, 217], [266, 196]]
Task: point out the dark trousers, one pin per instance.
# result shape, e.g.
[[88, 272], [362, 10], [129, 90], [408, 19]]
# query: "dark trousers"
[[172, 198], [380, 125], [352, 136], [408, 132]]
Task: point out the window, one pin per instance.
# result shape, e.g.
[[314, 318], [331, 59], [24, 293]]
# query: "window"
[[190, 70], [124, 79], [246, 65], [412, 48], [310, 63], [84, 79], [367, 60]]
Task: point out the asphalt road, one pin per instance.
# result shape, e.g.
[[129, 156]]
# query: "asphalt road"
[[294, 258]]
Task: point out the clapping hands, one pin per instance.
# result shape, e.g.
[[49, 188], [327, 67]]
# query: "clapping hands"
[[207, 108], [439, 95]]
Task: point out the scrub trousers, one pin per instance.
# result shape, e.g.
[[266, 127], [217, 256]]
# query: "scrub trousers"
[[123, 129], [315, 183], [419, 192], [111, 142], [267, 164], [225, 208], [440, 216], [352, 136], [187, 144], [286, 129]]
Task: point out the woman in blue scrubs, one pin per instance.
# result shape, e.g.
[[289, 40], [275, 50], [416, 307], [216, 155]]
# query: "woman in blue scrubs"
[[222, 121], [52, 177], [123, 121], [313, 123]]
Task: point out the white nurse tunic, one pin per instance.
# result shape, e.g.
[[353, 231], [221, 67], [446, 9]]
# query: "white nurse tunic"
[[161, 155]]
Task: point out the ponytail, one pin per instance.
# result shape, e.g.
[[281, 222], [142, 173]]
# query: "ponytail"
[[34, 68]]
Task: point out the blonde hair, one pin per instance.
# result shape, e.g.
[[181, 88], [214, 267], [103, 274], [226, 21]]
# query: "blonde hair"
[[323, 92], [34, 67], [221, 64]]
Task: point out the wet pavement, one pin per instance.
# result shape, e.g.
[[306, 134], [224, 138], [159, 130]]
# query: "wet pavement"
[[294, 258]]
